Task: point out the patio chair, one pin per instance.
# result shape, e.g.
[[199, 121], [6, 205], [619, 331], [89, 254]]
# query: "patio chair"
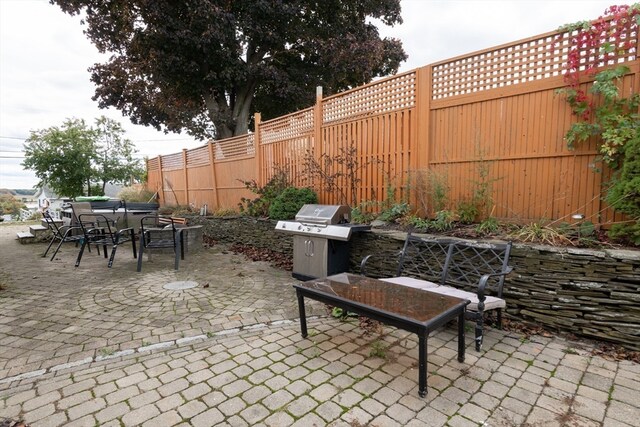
[[158, 232], [98, 230], [64, 233]]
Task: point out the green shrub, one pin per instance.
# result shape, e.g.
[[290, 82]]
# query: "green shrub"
[[417, 222], [467, 212], [136, 193], [362, 213], [443, 220], [289, 202], [397, 210], [626, 233], [488, 226], [624, 194], [267, 194]]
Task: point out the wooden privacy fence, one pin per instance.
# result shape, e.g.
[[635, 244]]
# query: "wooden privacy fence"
[[488, 121]]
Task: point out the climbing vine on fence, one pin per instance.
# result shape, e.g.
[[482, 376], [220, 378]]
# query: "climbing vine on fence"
[[595, 52], [601, 111]]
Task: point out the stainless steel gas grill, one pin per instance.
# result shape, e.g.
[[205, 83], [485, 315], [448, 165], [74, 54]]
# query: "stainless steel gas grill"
[[321, 236]]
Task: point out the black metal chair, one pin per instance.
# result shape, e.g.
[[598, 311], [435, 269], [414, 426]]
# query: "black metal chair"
[[100, 231], [159, 232], [64, 233]]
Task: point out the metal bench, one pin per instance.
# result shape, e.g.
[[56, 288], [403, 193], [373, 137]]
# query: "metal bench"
[[464, 269]]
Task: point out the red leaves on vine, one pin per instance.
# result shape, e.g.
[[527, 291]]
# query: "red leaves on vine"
[[594, 45], [600, 42]]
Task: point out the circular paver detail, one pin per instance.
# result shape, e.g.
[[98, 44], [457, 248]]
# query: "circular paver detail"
[[178, 286]]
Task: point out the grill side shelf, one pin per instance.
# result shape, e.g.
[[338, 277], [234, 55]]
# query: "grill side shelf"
[[335, 232]]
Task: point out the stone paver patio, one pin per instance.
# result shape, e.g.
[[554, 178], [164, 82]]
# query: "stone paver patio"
[[94, 346]]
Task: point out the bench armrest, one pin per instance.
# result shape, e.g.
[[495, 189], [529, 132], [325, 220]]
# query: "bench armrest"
[[482, 284], [386, 255]]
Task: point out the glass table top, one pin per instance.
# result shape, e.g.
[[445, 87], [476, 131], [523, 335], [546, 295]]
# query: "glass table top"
[[412, 303]]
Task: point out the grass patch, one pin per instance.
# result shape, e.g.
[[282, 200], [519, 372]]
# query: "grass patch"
[[378, 349], [106, 352]]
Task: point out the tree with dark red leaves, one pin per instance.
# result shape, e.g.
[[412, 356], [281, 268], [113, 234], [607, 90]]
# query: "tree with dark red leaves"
[[204, 66]]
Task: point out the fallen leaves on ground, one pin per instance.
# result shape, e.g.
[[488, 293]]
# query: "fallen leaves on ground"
[[615, 352], [604, 350], [277, 259]]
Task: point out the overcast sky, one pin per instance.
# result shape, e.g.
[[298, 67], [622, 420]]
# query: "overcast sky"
[[44, 58]]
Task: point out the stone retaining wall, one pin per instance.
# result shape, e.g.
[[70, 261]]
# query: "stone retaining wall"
[[590, 293]]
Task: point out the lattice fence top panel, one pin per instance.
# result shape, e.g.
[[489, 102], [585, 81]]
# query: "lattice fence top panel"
[[237, 146], [525, 61], [288, 127], [172, 161], [153, 164], [390, 94], [198, 157], [622, 38]]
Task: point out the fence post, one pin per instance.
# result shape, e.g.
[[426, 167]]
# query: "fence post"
[[257, 140], [214, 184], [160, 186], [186, 178], [421, 142], [316, 146]]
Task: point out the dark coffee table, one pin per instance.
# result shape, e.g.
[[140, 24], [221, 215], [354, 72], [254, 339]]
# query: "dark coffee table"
[[413, 310]]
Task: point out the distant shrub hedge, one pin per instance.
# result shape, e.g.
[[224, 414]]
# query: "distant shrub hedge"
[[289, 202]]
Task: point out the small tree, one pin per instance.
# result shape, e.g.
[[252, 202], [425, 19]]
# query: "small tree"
[[74, 158], [205, 66], [9, 205], [62, 156], [114, 161]]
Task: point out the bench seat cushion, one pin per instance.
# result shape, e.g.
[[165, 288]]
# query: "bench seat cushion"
[[490, 303], [411, 282]]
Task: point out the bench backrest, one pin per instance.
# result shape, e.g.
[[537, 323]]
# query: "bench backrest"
[[467, 262], [423, 258], [452, 262]]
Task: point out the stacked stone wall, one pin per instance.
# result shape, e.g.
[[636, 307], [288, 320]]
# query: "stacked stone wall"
[[589, 293]]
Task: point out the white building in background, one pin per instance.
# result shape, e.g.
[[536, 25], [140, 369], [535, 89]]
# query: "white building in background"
[[47, 198]]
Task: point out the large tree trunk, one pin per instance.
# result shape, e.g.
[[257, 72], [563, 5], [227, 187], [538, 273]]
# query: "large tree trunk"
[[242, 108], [217, 116]]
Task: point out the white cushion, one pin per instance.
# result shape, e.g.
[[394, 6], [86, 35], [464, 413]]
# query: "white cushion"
[[490, 302], [411, 282]]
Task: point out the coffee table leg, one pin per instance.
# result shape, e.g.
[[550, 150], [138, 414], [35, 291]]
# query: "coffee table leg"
[[422, 362], [461, 337], [303, 316]]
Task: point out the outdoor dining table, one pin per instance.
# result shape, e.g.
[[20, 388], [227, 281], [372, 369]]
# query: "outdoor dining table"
[[414, 310]]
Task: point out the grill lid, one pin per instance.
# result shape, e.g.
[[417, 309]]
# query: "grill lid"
[[324, 214]]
